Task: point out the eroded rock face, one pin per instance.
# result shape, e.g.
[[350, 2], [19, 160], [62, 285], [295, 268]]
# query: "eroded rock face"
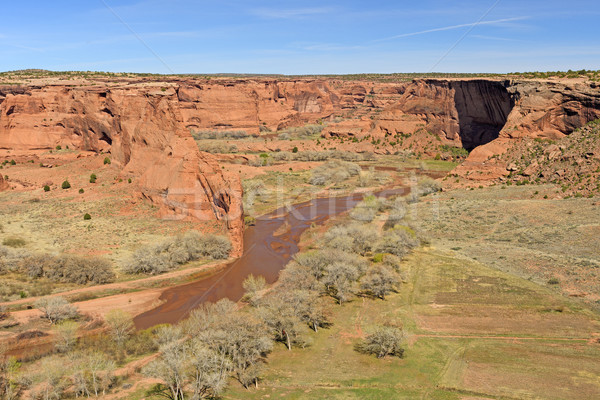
[[144, 133]]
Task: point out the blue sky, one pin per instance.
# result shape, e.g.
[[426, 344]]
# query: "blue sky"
[[300, 37]]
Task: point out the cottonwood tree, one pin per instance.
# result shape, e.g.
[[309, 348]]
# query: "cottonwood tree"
[[120, 324], [171, 367], [356, 238], [317, 313], [282, 317], [94, 374], [209, 371], [56, 308], [236, 335], [295, 276], [51, 379], [340, 280], [379, 281], [66, 335]]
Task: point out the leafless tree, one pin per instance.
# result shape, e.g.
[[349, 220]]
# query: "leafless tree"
[[209, 371], [66, 335], [235, 335], [120, 324], [51, 378], [94, 374], [171, 368], [380, 280], [56, 308], [282, 317], [340, 280]]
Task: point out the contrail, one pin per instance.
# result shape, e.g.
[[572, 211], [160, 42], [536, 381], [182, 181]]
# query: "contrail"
[[479, 22], [448, 28]]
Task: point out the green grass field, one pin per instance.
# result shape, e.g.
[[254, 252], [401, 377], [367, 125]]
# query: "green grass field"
[[474, 333]]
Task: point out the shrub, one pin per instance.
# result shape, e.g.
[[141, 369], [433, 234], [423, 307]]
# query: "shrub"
[[428, 186], [86, 216], [13, 241], [10, 257], [317, 261], [397, 242], [356, 238], [4, 314], [56, 309], [46, 188], [295, 149], [68, 269], [217, 134], [379, 281], [385, 341], [58, 147], [93, 178], [66, 185], [13, 162], [221, 148], [334, 172], [167, 255], [106, 161]]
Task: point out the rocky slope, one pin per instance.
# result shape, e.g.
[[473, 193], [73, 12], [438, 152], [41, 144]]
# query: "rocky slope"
[[543, 110], [573, 162]]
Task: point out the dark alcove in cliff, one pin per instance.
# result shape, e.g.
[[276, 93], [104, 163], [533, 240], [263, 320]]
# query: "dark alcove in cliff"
[[483, 107]]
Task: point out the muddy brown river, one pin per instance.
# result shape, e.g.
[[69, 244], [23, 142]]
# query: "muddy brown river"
[[268, 246]]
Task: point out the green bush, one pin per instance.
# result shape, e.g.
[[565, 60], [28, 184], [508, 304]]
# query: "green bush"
[[295, 150], [66, 184], [46, 188], [81, 191], [58, 147], [106, 160], [87, 216], [93, 178]]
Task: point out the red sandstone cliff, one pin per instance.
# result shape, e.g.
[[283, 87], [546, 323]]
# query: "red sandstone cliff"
[[143, 130], [145, 124]]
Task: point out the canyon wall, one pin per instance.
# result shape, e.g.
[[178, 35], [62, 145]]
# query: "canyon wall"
[[145, 123]]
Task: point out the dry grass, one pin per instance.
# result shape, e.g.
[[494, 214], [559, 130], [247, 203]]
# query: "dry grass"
[[551, 242]]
